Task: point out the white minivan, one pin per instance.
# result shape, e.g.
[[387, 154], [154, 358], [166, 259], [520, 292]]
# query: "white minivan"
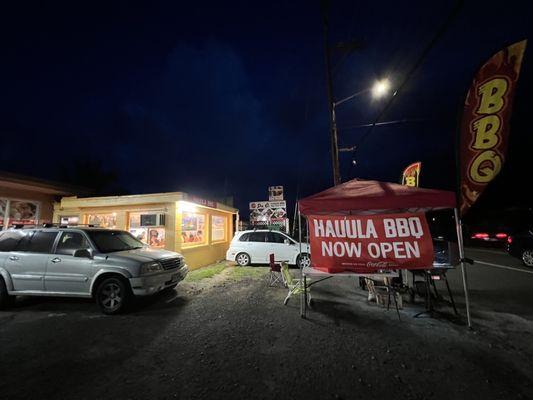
[[255, 247]]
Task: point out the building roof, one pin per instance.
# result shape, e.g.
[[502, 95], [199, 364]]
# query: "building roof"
[[141, 199], [23, 182]]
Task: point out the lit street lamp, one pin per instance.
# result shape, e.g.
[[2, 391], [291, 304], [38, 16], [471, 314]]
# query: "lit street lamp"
[[380, 89]]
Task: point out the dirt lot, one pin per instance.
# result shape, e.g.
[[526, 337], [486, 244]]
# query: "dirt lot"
[[226, 335]]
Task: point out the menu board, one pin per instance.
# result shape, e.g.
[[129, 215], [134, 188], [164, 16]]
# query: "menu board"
[[268, 212]]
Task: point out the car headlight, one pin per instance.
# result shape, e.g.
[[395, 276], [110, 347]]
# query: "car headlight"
[[151, 267]]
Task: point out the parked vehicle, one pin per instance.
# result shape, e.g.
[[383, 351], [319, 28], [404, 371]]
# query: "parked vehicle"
[[107, 265], [255, 247], [521, 246]]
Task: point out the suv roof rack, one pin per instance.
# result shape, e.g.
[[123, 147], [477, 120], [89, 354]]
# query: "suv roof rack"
[[52, 225]]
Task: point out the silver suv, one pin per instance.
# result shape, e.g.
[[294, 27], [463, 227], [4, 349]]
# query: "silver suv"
[[107, 265]]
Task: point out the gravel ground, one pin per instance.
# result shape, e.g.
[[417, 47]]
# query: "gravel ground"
[[230, 336]]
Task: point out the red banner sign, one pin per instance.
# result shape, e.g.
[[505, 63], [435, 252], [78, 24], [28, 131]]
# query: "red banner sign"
[[369, 243], [485, 124]]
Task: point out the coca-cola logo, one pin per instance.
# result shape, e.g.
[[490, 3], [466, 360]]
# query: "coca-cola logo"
[[378, 264]]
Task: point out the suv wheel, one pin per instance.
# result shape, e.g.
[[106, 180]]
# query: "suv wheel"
[[112, 295], [303, 261], [527, 257], [5, 298], [243, 259]]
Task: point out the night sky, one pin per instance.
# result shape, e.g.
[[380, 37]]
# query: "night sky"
[[227, 98]]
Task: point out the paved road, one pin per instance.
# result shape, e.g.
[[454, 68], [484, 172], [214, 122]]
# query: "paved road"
[[497, 283]]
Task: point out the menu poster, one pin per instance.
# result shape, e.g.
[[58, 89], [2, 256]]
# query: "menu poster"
[[156, 237], [22, 212], [192, 228]]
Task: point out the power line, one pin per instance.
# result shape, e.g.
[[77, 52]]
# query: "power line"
[[444, 27]]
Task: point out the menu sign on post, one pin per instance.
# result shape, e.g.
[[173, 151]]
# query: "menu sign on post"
[[268, 212], [369, 243]]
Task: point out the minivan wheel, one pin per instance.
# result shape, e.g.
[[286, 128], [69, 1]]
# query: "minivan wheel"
[[112, 296], [5, 298], [243, 259], [303, 261], [527, 258]]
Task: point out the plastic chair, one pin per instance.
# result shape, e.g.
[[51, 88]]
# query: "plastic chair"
[[295, 285], [275, 278]]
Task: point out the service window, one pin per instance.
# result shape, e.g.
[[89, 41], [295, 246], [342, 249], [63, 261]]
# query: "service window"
[[103, 220], [192, 228], [71, 241], [69, 220], [135, 228], [218, 228]]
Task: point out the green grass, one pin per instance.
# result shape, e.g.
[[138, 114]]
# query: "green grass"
[[205, 272], [249, 272]]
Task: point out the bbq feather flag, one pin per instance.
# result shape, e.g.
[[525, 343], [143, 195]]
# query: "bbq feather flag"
[[484, 128]]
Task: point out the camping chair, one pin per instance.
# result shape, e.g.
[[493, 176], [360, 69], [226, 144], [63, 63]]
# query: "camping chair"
[[384, 288], [295, 285], [275, 278]]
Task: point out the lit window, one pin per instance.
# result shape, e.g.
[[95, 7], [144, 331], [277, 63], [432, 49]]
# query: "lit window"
[[218, 228], [192, 228], [103, 220]]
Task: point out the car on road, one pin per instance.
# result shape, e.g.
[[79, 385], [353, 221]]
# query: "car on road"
[[521, 246], [107, 265], [255, 247]]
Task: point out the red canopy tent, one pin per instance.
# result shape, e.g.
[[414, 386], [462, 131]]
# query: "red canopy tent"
[[371, 197], [361, 195]]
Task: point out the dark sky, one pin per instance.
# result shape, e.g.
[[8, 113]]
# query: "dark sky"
[[227, 98]]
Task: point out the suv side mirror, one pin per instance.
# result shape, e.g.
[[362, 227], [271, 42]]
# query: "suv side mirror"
[[83, 253], [287, 241]]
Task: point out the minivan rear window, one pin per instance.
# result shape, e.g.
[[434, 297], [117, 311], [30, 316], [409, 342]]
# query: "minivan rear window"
[[244, 237]]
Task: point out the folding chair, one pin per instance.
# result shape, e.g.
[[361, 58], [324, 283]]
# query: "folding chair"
[[275, 277], [295, 285], [381, 288]]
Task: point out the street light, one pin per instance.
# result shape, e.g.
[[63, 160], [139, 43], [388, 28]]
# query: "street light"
[[380, 88]]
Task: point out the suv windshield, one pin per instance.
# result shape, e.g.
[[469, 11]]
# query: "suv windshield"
[[110, 241]]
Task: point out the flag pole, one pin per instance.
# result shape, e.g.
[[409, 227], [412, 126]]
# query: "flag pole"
[[459, 227], [457, 214]]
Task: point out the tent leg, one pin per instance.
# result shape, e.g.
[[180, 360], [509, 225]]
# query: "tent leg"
[[303, 300], [459, 226]]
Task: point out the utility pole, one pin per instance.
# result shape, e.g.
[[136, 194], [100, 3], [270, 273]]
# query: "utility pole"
[[331, 104]]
